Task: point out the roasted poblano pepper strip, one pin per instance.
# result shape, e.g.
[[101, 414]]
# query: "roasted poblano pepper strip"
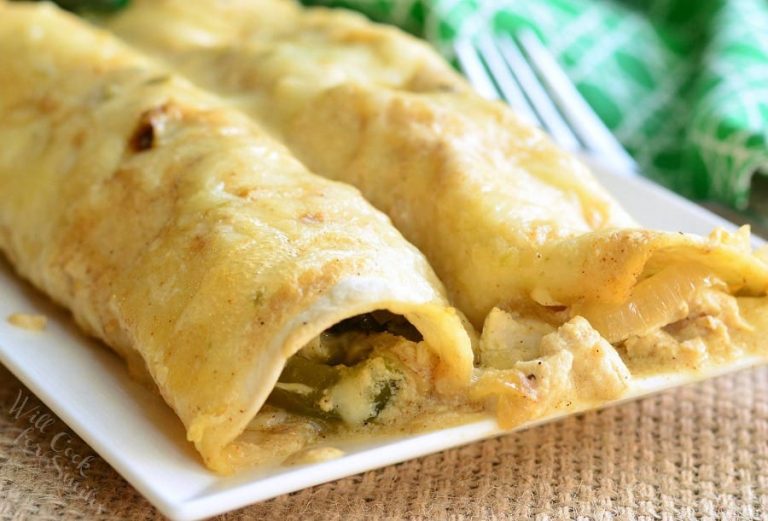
[[308, 383], [301, 404], [382, 399], [314, 375], [302, 370]]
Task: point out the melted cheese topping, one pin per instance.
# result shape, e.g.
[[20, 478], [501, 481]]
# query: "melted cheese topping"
[[475, 188]]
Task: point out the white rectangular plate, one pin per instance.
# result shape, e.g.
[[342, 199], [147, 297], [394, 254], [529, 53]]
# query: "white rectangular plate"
[[132, 428]]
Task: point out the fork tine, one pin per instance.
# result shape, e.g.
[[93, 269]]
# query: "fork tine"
[[588, 126], [504, 79], [473, 67], [539, 98]]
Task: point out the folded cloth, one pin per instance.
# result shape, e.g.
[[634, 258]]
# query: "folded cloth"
[[684, 85]]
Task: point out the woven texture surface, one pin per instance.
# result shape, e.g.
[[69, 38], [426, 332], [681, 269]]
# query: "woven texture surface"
[[698, 452]]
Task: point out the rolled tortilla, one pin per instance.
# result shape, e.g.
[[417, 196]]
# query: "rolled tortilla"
[[503, 215], [178, 232], [526, 241]]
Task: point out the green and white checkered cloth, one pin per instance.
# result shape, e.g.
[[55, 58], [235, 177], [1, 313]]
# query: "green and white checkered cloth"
[[682, 83]]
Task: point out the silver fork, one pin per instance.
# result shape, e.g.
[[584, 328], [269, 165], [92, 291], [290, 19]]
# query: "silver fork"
[[522, 72]]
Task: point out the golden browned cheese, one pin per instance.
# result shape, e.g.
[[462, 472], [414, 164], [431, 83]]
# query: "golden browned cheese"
[[505, 217], [181, 234]]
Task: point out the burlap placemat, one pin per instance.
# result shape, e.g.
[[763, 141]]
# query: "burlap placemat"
[[699, 452]]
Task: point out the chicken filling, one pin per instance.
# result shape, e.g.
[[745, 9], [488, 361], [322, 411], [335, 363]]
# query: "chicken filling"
[[534, 364]]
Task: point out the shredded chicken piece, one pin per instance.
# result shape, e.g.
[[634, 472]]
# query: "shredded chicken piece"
[[540, 373]]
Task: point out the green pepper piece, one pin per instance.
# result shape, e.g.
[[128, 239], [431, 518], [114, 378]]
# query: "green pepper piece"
[[321, 379], [301, 404], [312, 374], [302, 370], [382, 399]]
